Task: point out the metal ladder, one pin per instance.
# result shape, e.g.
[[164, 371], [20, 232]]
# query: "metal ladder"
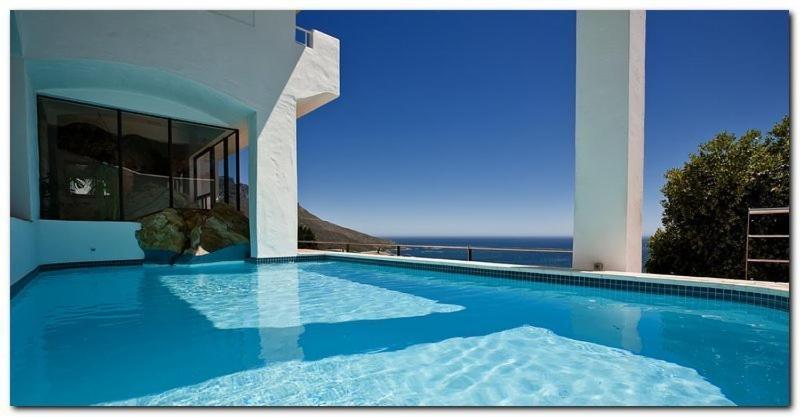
[[762, 212]]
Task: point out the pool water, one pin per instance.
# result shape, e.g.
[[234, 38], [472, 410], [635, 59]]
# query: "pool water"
[[345, 333]]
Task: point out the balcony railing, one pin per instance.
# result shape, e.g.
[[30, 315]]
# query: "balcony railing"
[[304, 36], [396, 249]]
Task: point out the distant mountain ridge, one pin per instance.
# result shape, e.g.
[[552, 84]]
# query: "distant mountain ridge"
[[326, 231], [323, 230]]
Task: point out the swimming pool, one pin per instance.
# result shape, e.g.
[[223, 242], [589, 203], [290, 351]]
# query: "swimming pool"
[[334, 332]]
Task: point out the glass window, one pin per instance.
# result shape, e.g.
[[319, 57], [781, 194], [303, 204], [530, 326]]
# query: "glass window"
[[194, 168], [221, 171], [235, 191], [88, 154], [78, 161], [145, 165]]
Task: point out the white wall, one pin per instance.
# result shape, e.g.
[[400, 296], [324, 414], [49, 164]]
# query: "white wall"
[[250, 61], [273, 184], [225, 68], [61, 241], [609, 139], [24, 191], [273, 158], [23, 248], [42, 242]]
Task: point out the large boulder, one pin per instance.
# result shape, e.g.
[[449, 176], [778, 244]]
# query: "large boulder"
[[219, 228], [185, 235], [162, 231]]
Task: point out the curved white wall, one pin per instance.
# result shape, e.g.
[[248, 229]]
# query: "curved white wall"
[[251, 62], [44, 242], [224, 68], [86, 241], [23, 248]]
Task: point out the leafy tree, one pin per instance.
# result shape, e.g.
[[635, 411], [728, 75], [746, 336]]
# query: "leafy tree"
[[305, 233], [706, 202]]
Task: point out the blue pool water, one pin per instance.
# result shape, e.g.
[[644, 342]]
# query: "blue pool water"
[[342, 333]]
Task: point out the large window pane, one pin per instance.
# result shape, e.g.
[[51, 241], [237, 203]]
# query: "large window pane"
[[233, 180], [81, 147], [78, 161], [145, 162], [220, 169], [194, 165]]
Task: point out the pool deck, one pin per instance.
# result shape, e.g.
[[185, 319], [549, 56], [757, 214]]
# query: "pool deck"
[[760, 287]]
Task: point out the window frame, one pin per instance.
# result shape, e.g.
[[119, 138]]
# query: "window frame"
[[119, 112]]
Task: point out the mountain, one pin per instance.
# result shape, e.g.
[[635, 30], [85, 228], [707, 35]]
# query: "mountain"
[[324, 231]]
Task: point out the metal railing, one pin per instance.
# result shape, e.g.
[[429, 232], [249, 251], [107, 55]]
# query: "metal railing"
[[397, 247], [762, 212], [304, 36]]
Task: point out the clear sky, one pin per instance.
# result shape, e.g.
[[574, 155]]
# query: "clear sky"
[[462, 123]]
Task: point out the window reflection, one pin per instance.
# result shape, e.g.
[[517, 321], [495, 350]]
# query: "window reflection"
[[145, 163], [78, 161], [88, 153], [194, 168]]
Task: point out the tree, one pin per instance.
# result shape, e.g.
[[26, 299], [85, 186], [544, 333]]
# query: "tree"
[[304, 233], [706, 202]]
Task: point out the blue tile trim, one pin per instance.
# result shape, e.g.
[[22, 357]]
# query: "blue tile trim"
[[89, 264], [765, 300], [22, 282], [288, 259]]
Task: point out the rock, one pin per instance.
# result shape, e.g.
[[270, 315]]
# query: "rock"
[[163, 231], [192, 232]]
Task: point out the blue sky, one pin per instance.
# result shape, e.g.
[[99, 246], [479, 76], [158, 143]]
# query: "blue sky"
[[461, 123]]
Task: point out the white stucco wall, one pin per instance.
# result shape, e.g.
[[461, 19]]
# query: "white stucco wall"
[[24, 191], [250, 62], [23, 248], [609, 139], [60, 241], [223, 68], [43, 242], [273, 159], [273, 184]]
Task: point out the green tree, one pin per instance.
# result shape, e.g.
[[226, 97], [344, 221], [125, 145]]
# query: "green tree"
[[706, 202], [305, 233]]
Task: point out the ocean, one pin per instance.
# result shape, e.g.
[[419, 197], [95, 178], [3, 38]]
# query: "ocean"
[[563, 260]]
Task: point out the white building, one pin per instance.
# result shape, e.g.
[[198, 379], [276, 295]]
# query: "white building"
[[170, 94], [116, 114]]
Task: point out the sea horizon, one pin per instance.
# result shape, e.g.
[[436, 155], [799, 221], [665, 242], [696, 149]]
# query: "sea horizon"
[[557, 259]]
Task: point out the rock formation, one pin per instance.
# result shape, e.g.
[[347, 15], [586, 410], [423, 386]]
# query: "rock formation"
[[181, 235]]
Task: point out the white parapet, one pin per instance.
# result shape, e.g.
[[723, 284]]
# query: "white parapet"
[[609, 139]]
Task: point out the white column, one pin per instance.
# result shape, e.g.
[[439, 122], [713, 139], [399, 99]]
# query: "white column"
[[609, 139], [273, 183]]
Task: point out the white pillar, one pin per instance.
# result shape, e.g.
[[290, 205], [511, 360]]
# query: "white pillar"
[[609, 139], [273, 183], [273, 154]]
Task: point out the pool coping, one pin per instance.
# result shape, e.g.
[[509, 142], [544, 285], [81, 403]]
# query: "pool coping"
[[770, 294], [762, 287]]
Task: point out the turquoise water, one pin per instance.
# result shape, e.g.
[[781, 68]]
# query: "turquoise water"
[[340, 333]]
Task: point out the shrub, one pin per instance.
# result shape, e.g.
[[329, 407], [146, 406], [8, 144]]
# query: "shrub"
[[706, 203]]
